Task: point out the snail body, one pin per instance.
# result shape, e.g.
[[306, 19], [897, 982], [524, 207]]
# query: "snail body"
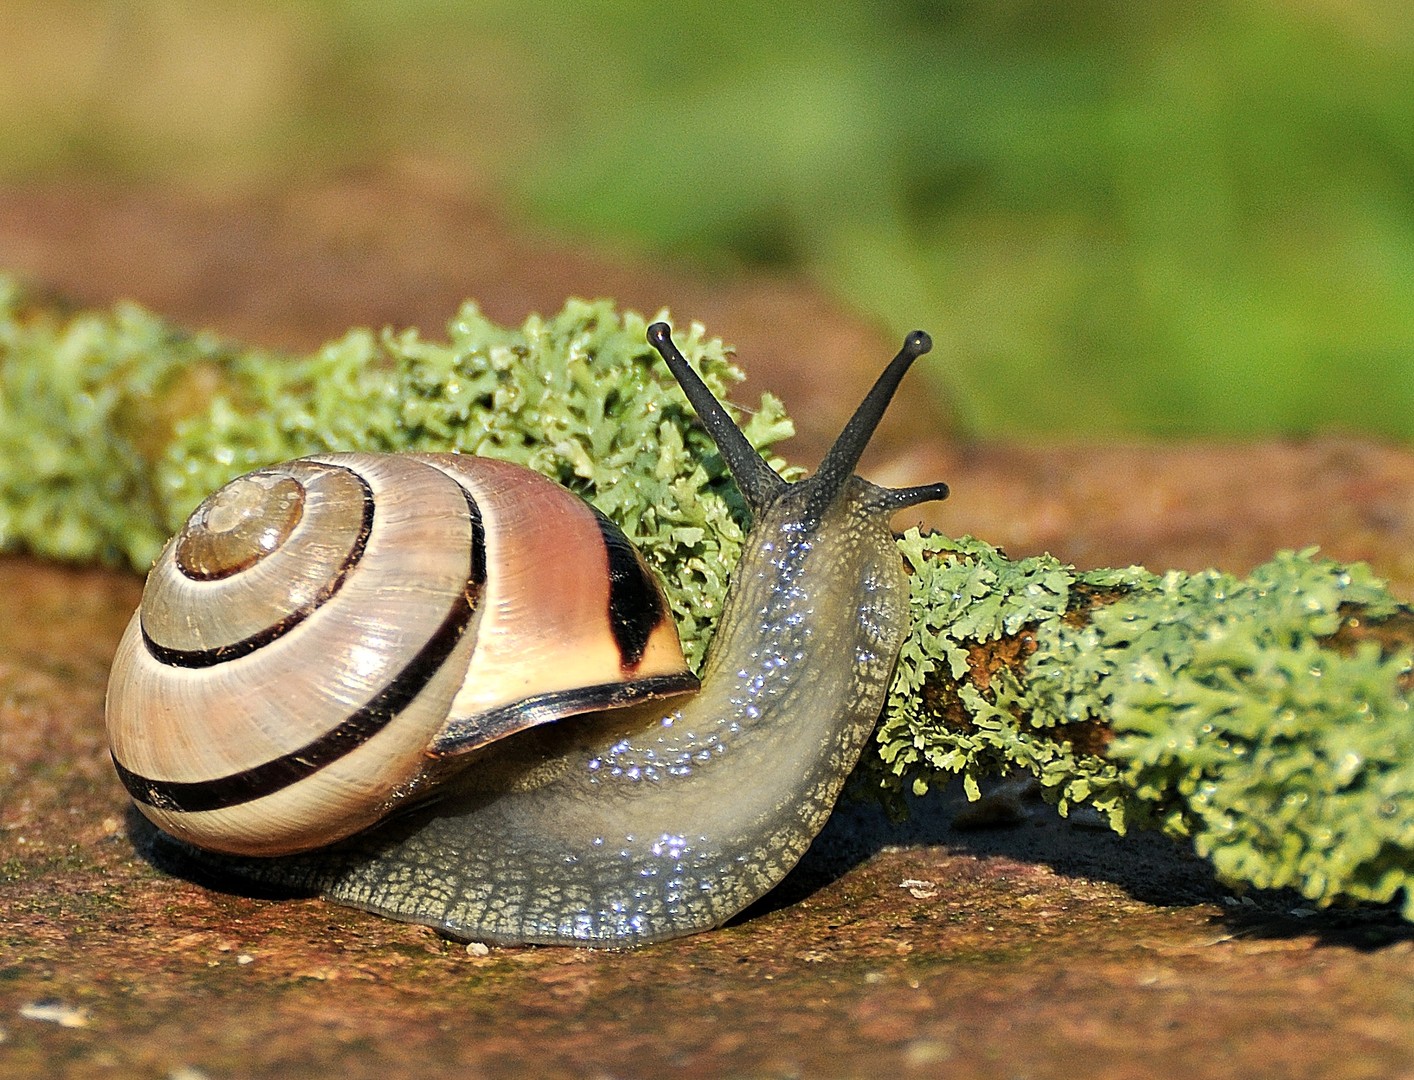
[[660, 818]]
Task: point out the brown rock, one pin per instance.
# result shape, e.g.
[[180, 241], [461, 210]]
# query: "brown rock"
[[1038, 950]]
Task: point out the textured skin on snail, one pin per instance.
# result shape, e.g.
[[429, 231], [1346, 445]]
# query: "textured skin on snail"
[[616, 829]]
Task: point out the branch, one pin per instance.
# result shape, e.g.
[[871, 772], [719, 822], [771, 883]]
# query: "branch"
[[1266, 718]]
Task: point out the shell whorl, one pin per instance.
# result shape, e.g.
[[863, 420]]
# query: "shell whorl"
[[322, 632]]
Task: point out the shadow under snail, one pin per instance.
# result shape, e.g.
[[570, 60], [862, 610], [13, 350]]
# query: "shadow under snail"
[[317, 690]]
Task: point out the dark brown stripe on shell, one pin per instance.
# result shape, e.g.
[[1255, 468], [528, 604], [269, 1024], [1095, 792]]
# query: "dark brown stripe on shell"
[[200, 658], [279, 773], [478, 540], [635, 605]]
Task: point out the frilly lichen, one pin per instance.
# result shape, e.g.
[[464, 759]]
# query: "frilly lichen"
[[113, 426], [1221, 709], [1227, 711]]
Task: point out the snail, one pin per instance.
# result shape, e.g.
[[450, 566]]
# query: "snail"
[[383, 738]]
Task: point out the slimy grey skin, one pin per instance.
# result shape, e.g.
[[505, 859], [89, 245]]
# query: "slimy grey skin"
[[667, 818]]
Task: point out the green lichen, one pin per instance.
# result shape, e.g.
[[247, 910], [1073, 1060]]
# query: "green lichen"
[[580, 397], [113, 426], [1246, 714], [1288, 761], [1250, 715], [85, 403], [940, 721]]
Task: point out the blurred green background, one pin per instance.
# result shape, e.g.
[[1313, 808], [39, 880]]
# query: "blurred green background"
[[1167, 217]]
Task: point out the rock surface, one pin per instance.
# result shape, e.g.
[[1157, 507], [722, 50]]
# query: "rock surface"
[[1029, 948]]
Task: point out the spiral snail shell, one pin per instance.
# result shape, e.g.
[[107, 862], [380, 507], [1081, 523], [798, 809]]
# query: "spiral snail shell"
[[317, 690], [343, 624]]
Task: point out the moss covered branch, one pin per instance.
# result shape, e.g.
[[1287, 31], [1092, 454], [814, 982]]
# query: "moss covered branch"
[[1265, 718]]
